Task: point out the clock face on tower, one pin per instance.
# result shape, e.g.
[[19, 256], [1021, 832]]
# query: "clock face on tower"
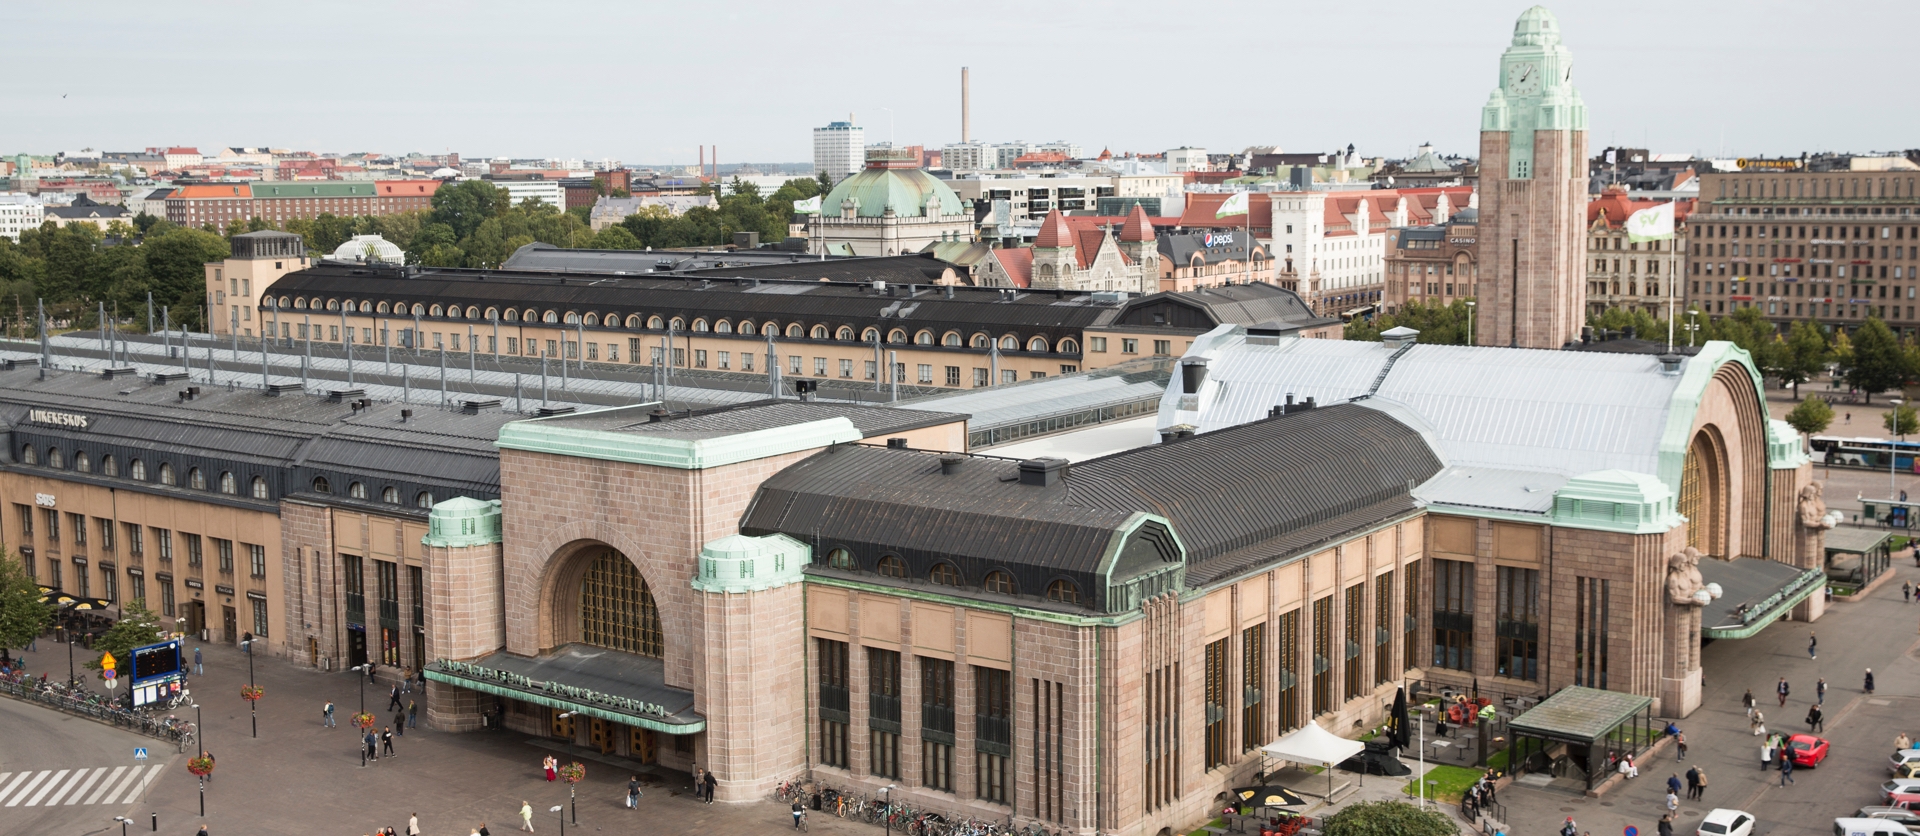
[[1523, 78]]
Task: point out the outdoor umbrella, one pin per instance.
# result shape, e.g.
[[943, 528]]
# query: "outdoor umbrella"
[[1397, 721], [1269, 797], [78, 603]]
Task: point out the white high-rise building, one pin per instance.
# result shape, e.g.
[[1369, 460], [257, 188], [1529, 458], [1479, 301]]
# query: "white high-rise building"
[[839, 149], [19, 212], [1184, 159]]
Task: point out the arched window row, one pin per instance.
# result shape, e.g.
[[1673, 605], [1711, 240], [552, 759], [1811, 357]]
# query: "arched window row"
[[610, 320], [224, 481], [945, 573]]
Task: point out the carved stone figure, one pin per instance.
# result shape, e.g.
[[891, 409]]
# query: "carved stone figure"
[[1683, 578], [1812, 523]]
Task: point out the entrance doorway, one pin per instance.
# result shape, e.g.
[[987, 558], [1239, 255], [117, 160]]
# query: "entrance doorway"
[[642, 745], [196, 618], [313, 651], [228, 625], [356, 647]]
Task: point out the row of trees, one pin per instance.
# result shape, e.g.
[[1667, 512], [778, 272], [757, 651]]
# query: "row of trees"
[[471, 224]]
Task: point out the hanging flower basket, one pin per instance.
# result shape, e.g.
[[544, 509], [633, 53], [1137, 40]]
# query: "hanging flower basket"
[[573, 772], [252, 693], [362, 720], [201, 766]]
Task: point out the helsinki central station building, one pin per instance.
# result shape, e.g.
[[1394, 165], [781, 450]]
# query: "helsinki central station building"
[[847, 592]]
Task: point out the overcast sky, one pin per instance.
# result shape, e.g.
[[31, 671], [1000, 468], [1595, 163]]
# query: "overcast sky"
[[649, 82]]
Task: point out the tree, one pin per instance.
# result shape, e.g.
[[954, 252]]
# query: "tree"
[[1840, 353], [1438, 324], [144, 221], [825, 183], [1902, 420], [1812, 416], [1878, 363], [464, 205], [137, 627], [1388, 818], [22, 614], [176, 264], [1802, 356], [615, 238], [620, 193]]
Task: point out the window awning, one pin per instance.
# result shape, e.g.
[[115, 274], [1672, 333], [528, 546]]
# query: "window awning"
[[608, 684], [1754, 592]]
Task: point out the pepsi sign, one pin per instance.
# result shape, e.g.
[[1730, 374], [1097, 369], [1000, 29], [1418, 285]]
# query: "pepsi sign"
[[1219, 239]]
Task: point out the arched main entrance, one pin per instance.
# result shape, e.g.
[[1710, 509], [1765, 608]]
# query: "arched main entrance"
[[616, 606], [1703, 493]]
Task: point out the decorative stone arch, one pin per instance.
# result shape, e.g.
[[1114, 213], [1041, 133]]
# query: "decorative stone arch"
[[1719, 432], [1704, 492], [555, 582]]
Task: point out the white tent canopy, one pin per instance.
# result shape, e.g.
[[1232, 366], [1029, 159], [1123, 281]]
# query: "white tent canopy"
[[1314, 746]]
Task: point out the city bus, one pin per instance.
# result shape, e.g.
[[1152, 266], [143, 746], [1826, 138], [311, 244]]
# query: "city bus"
[[1864, 452]]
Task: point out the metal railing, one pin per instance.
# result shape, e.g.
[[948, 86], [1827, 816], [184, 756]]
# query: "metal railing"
[[97, 709]]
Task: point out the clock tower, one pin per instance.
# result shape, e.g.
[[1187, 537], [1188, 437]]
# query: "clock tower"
[[1531, 289]]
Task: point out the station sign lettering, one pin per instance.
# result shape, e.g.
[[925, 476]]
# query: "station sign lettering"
[[554, 689], [57, 418]]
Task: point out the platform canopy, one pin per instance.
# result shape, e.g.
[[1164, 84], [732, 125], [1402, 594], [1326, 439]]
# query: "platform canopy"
[[1313, 745]]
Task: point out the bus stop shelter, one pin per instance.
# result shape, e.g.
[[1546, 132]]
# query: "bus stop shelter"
[[1579, 733]]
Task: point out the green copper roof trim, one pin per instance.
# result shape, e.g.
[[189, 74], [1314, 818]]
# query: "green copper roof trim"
[[1695, 376], [738, 563], [1111, 620], [1616, 500], [546, 435], [591, 710], [1803, 587], [463, 521], [1785, 451]]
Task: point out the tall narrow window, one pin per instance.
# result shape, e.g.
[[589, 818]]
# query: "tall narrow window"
[[936, 723], [1410, 638], [835, 702], [1356, 624], [1453, 614], [1216, 730], [1322, 655], [1253, 680], [356, 588], [1288, 643], [1591, 605], [993, 733], [883, 721], [1049, 760], [1516, 626], [1383, 628]]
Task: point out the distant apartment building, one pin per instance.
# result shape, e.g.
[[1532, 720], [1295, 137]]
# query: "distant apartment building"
[[1333, 246], [280, 201], [18, 213], [178, 157], [839, 150], [1635, 276], [85, 210], [610, 211], [1833, 246], [1032, 194], [549, 192], [1434, 264], [1182, 160]]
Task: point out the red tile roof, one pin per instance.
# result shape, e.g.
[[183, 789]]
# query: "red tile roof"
[[1137, 228], [1617, 206], [1200, 209], [406, 188], [1018, 262], [1088, 245], [1053, 232]]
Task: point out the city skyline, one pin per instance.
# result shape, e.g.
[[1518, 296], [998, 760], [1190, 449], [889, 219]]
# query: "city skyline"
[[1402, 78]]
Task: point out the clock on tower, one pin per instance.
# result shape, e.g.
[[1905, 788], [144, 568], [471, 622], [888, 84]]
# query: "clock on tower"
[[1533, 189]]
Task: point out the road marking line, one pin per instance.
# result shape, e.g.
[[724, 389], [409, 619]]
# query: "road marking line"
[[113, 792], [48, 787], [37, 778], [18, 777], [140, 785], [95, 797], [86, 785]]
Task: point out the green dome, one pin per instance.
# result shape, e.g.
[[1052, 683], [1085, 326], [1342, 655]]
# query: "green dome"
[[881, 185], [1536, 27]]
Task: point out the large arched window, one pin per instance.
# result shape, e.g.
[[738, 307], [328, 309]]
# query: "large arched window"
[[54, 459], [390, 495], [840, 559], [260, 488], [357, 490], [1063, 592], [891, 566], [228, 484], [944, 575], [998, 581], [423, 499], [81, 462], [321, 485], [1703, 493], [28, 455], [109, 467], [617, 609], [166, 473], [137, 470]]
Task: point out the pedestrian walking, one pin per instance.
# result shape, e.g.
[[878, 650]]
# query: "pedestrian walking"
[[1702, 789], [393, 698], [386, 741], [372, 744], [1680, 741], [799, 812], [413, 714], [1569, 829], [1786, 769], [699, 781], [712, 784], [526, 817], [1869, 684], [549, 764], [1747, 700], [1901, 742], [1673, 801], [1781, 689], [1813, 646], [370, 668], [1666, 825], [1693, 783], [413, 824], [400, 722], [326, 715], [1906, 591], [633, 792], [406, 683], [1816, 719], [1759, 723], [483, 829], [1820, 691], [1766, 754], [198, 669]]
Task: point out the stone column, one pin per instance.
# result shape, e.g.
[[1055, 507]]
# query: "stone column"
[[748, 591], [465, 605]]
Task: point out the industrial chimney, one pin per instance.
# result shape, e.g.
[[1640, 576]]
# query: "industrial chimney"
[[965, 107]]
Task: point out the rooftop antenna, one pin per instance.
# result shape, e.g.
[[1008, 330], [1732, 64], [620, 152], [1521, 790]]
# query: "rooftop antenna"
[[386, 349], [517, 405], [306, 360], [46, 351], [149, 312], [773, 367], [347, 343], [234, 328], [265, 380], [443, 376], [993, 364], [105, 346], [406, 383], [473, 375], [543, 378], [876, 359], [893, 372], [211, 379], [166, 329]]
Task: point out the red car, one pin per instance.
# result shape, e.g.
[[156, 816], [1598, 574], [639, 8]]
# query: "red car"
[[1806, 750]]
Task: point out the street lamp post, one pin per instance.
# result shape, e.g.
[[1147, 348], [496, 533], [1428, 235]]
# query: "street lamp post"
[[198, 724], [124, 821], [1469, 322], [573, 799], [1893, 456], [360, 739], [563, 819], [1691, 327], [253, 705]]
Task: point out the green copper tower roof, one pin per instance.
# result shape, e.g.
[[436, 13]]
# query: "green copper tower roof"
[[891, 183]]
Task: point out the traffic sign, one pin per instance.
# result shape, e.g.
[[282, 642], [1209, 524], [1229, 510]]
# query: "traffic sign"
[[106, 661], [140, 753], [110, 673], [1632, 831]]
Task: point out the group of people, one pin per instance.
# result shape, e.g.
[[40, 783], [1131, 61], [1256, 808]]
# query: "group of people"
[[703, 785], [1481, 793], [413, 827]]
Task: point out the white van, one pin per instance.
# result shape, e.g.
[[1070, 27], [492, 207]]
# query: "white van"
[[1869, 827]]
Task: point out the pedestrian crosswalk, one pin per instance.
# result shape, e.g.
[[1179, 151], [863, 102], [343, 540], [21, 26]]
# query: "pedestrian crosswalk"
[[61, 787]]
